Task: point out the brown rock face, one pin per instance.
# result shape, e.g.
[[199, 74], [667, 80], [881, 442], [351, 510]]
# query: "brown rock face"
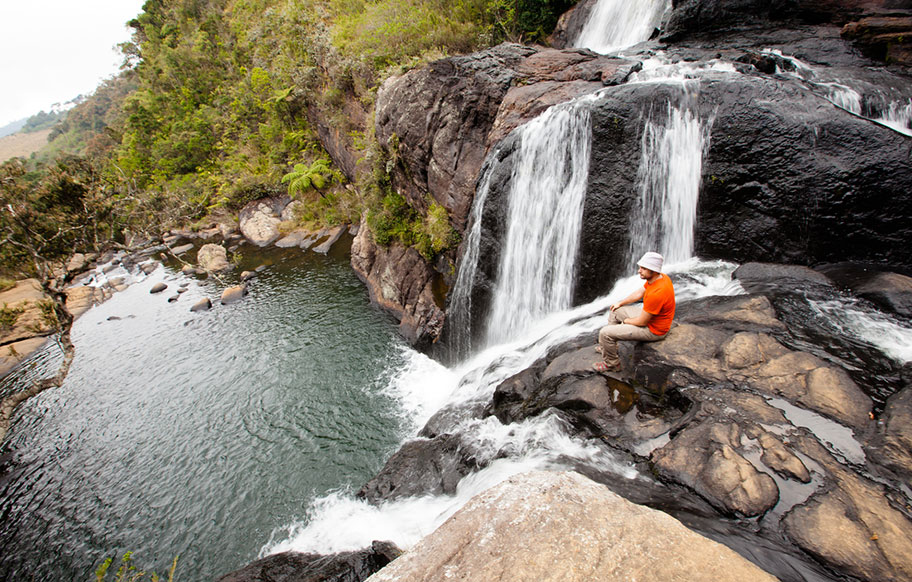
[[887, 38], [704, 459], [561, 526], [401, 282]]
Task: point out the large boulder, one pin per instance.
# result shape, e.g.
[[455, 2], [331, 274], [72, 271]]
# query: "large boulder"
[[259, 220], [562, 526]]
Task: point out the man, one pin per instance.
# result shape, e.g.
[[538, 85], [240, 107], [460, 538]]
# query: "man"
[[628, 322]]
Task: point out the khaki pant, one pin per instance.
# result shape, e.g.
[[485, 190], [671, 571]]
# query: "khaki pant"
[[615, 330]]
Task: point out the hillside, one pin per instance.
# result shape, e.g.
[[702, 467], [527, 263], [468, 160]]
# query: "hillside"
[[22, 144]]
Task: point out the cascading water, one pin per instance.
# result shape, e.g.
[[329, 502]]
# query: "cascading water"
[[669, 185], [545, 208], [618, 24], [459, 314], [876, 105]]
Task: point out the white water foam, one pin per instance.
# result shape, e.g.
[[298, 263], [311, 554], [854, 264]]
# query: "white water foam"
[[618, 24], [873, 327]]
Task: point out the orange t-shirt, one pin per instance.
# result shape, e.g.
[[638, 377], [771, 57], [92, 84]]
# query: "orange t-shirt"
[[659, 300]]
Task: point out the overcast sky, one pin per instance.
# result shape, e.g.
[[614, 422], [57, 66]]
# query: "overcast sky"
[[53, 50]]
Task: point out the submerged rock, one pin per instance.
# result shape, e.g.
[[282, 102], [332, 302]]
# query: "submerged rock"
[[550, 526], [203, 304], [234, 293]]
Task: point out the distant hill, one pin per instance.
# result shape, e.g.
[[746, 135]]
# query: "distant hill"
[[22, 144], [11, 128]]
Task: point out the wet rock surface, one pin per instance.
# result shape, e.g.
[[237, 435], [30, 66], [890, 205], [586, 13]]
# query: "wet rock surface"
[[298, 567]]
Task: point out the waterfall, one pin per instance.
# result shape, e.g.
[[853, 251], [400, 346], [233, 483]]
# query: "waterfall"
[[544, 214], [460, 311], [668, 182], [618, 24], [898, 116]]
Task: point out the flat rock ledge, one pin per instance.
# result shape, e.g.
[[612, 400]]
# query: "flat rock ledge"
[[544, 526]]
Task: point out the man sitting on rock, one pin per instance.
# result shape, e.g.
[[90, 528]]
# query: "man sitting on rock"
[[629, 322]]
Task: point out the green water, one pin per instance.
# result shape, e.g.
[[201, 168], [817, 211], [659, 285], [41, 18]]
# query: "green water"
[[198, 434]]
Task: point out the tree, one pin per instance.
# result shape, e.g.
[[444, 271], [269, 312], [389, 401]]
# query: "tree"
[[317, 176]]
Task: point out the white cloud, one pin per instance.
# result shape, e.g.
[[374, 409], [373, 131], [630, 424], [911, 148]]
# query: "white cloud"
[[53, 50]]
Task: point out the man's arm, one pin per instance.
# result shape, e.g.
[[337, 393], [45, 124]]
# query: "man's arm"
[[641, 320], [632, 298]]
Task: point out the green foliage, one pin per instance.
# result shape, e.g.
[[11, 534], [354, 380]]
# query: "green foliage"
[[46, 217], [127, 572], [42, 120], [49, 312], [317, 176]]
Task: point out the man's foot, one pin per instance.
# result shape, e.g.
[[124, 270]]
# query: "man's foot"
[[604, 367]]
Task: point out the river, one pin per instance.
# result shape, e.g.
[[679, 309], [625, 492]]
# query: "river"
[[199, 434]]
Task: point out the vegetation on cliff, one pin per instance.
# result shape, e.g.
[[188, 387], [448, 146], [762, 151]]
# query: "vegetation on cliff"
[[220, 99]]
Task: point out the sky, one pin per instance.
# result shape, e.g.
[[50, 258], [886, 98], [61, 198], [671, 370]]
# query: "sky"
[[53, 50]]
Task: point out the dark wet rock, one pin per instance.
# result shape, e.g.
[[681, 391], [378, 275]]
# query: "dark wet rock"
[[401, 282], [855, 528], [234, 294], [213, 258], [441, 115], [447, 418], [333, 236], [174, 298], [247, 275], [179, 250], [763, 277], [158, 288], [298, 567], [203, 304], [420, 467], [702, 18], [182, 290], [259, 220]]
